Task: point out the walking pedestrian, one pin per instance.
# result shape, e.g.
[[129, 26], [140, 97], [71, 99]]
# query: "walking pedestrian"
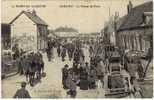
[[100, 69], [59, 50], [49, 50], [63, 54], [22, 93], [92, 78], [71, 84], [83, 79], [87, 67], [73, 92], [91, 51], [27, 67], [64, 76], [32, 69], [39, 65], [16, 51]]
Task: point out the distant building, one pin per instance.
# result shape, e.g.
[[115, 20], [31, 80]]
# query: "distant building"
[[89, 36], [137, 24], [29, 31], [5, 36], [67, 33], [52, 35]]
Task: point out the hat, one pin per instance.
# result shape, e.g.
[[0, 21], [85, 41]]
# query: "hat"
[[23, 84], [66, 65], [86, 63], [73, 80]]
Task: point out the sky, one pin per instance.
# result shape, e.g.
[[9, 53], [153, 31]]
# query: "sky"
[[85, 20]]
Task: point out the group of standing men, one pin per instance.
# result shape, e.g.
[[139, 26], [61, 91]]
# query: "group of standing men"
[[31, 65]]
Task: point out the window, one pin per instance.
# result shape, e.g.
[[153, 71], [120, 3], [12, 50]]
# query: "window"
[[147, 17], [132, 42], [41, 30]]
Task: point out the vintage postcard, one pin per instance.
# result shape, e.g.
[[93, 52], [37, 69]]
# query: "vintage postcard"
[[76, 49]]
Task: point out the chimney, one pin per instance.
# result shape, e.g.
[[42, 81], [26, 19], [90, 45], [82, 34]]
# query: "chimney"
[[129, 7], [34, 12]]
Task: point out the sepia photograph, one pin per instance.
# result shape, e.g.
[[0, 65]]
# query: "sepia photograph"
[[76, 49]]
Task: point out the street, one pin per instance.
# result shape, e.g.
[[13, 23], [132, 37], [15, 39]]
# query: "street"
[[51, 85]]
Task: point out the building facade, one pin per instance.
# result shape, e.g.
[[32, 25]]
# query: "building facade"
[[66, 33], [29, 31], [5, 36], [89, 36], [137, 24]]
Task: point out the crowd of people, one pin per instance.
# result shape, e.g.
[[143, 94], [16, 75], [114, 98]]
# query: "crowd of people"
[[84, 74], [64, 48], [30, 64], [87, 75]]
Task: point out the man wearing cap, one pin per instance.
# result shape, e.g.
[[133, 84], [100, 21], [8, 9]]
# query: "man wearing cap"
[[72, 88], [22, 93]]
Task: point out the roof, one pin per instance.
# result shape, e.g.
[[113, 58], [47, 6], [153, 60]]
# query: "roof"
[[5, 24], [66, 29], [35, 18], [52, 34], [66, 34], [134, 18], [120, 21], [88, 34]]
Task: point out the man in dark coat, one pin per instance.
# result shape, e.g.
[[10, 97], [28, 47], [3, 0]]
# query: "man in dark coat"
[[16, 51], [76, 56], [59, 49], [70, 50], [32, 69], [64, 76], [92, 78], [27, 66], [75, 68], [63, 54], [20, 65], [39, 64], [49, 50], [83, 79], [73, 87], [22, 93]]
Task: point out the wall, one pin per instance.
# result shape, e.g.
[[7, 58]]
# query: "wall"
[[6, 36], [133, 39], [42, 36], [24, 32]]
